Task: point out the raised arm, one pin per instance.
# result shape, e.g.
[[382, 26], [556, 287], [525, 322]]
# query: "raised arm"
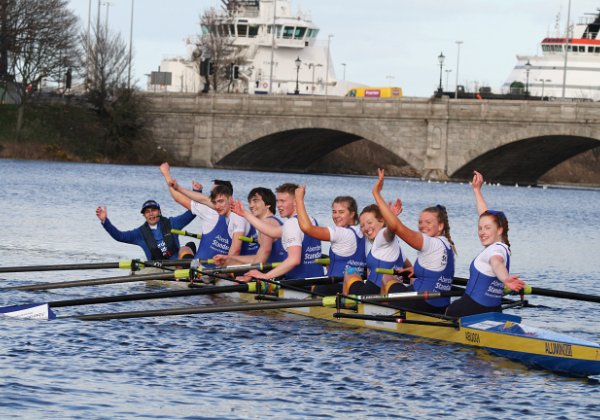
[[193, 195], [177, 196], [477, 184], [393, 223], [317, 232], [261, 225]]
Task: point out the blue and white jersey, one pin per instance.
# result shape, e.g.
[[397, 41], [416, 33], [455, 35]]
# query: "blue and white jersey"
[[434, 268], [483, 285], [383, 254], [347, 251]]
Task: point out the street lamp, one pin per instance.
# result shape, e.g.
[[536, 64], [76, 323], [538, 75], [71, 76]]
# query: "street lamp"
[[441, 59], [327, 64], [130, 44], [447, 74], [344, 64], [458, 43], [298, 64], [543, 84], [312, 66], [527, 70]]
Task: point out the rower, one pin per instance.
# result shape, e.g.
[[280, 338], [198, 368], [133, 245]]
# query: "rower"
[[301, 250], [385, 252], [261, 202], [154, 236], [434, 266], [348, 243], [489, 271], [220, 228]]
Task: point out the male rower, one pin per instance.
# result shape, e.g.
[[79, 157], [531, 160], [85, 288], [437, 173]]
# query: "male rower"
[[261, 202], [302, 250], [220, 228], [154, 236]]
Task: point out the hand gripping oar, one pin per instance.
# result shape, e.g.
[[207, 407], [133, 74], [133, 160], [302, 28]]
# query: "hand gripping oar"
[[527, 290], [530, 290], [177, 274], [127, 265], [349, 302]]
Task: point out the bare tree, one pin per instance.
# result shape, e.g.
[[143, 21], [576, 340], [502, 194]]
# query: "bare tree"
[[41, 44], [216, 46], [104, 60]]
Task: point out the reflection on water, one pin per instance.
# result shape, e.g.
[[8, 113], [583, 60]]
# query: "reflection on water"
[[272, 364]]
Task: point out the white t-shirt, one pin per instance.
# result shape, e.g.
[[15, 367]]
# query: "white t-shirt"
[[292, 234], [433, 256], [343, 241], [209, 217], [384, 250], [482, 261]]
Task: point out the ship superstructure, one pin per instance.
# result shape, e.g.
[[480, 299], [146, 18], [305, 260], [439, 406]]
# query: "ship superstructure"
[[276, 52], [576, 56]]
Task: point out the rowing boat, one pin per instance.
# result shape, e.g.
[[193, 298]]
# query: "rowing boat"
[[501, 334]]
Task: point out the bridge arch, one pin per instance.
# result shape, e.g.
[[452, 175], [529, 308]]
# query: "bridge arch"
[[301, 149], [526, 154]]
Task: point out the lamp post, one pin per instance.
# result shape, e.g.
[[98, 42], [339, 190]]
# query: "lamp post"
[[543, 85], [527, 70], [448, 71], [312, 66], [327, 64], [298, 64], [458, 43], [130, 44], [344, 65], [441, 59]]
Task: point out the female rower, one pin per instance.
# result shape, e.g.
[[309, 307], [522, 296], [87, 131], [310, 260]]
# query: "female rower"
[[385, 252], [347, 249], [489, 271], [434, 267]]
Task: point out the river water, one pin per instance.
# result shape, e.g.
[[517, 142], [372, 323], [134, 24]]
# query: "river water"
[[265, 365]]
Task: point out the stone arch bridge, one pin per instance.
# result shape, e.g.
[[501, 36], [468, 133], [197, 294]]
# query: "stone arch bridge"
[[510, 141]]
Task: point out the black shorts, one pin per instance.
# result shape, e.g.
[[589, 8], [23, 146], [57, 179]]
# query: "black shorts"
[[467, 306], [364, 288]]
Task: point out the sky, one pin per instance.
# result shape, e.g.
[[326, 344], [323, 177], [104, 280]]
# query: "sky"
[[382, 42]]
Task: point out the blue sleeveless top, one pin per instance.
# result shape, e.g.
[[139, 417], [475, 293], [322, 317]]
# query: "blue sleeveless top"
[[311, 250], [277, 254], [217, 241], [250, 248], [338, 264], [435, 281], [483, 289], [374, 263]]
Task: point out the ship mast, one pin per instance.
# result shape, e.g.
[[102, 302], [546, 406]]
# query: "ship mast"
[[564, 86]]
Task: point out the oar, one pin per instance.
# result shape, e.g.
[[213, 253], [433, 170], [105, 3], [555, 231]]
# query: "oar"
[[127, 265], [243, 268], [186, 233], [527, 290], [178, 274], [327, 301]]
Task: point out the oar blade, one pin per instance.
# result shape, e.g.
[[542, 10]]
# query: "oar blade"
[[29, 311]]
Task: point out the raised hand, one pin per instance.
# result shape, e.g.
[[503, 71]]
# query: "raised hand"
[[238, 208], [196, 186], [300, 192], [396, 207], [101, 213], [477, 181], [380, 178]]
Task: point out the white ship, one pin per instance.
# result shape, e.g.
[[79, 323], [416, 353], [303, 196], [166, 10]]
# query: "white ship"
[[276, 52], [568, 63]]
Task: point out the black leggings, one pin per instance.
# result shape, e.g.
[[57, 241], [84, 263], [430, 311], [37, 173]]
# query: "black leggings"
[[467, 306]]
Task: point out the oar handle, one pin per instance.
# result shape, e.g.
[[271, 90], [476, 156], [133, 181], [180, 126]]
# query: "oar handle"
[[186, 233], [247, 239]]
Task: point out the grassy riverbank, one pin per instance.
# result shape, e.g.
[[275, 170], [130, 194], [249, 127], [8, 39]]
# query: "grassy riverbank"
[[71, 132]]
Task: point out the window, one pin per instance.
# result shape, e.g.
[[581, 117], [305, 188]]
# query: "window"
[[299, 34], [242, 30], [253, 31], [288, 32]]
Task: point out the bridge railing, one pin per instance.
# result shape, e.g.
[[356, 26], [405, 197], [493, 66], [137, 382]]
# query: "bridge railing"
[[461, 109]]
